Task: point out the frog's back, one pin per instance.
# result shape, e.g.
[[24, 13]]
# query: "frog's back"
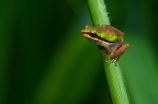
[[112, 30]]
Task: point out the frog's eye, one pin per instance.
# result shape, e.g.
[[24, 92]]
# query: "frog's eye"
[[93, 35], [87, 26]]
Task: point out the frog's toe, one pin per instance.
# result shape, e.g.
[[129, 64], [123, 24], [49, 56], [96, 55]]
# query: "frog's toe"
[[107, 58], [113, 61]]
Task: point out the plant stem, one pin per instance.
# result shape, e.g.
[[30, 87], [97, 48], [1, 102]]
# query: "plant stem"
[[113, 73]]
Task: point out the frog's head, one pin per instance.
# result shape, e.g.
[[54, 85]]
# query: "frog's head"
[[90, 33]]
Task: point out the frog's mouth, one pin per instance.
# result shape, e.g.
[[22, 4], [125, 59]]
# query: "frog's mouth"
[[94, 37]]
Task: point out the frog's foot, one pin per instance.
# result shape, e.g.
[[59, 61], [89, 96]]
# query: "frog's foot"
[[107, 58], [113, 61]]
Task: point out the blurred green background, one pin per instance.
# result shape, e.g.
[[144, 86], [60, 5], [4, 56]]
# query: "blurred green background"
[[45, 60]]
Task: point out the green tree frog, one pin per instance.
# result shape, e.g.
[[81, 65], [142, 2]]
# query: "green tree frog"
[[109, 38]]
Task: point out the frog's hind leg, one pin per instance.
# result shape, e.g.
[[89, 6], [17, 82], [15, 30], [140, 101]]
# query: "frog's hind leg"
[[120, 51]]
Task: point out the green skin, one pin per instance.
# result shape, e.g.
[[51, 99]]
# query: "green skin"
[[108, 37]]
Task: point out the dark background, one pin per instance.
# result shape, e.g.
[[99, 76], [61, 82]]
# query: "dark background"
[[45, 60]]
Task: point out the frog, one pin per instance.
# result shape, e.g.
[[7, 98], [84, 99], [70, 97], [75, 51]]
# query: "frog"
[[109, 38]]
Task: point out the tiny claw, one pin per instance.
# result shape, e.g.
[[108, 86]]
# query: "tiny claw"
[[115, 62]]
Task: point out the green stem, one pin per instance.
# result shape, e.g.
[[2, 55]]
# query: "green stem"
[[113, 73]]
